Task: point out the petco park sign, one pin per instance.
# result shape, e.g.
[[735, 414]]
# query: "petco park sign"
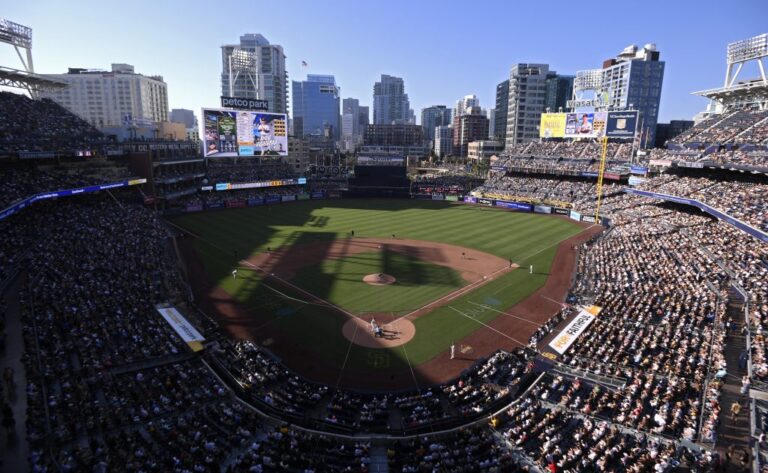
[[244, 104], [570, 333]]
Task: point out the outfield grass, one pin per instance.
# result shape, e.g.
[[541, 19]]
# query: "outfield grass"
[[340, 281], [229, 235]]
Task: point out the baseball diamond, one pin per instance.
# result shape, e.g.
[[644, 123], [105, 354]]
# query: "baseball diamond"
[[301, 274]]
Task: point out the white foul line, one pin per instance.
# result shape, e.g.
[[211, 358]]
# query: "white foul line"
[[487, 326], [484, 306]]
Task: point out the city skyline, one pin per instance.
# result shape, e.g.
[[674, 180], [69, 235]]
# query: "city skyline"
[[191, 63]]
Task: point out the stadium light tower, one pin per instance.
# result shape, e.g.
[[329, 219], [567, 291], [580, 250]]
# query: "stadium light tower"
[[242, 62], [741, 52], [20, 37]]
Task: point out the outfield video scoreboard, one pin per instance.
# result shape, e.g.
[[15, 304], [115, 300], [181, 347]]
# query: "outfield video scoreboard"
[[588, 125], [230, 133]]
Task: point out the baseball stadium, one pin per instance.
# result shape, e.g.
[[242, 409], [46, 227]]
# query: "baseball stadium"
[[243, 298]]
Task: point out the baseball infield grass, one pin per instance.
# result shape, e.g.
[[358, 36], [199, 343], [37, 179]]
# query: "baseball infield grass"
[[340, 282], [229, 235]]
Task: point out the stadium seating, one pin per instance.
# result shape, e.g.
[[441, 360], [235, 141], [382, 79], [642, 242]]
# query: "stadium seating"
[[111, 386], [42, 125]]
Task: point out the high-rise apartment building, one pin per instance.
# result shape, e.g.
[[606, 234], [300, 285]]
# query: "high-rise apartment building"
[[473, 126], [526, 103], [390, 102], [112, 99], [257, 69]]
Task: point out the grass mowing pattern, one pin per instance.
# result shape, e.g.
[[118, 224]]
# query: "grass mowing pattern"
[[341, 282], [524, 238]]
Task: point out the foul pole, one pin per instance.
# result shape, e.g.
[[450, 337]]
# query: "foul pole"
[[600, 179]]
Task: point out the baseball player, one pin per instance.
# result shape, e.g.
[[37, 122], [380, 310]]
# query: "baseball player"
[[530, 269], [453, 350], [234, 273]]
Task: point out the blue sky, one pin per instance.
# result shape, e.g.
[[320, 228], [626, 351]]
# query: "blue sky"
[[443, 49]]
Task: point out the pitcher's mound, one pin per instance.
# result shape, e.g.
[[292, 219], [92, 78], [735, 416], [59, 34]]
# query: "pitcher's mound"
[[379, 279], [393, 334]]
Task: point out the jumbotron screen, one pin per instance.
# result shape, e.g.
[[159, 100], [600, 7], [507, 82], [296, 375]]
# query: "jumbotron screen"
[[229, 133]]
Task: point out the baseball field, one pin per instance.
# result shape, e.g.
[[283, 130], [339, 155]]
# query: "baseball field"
[[311, 276]]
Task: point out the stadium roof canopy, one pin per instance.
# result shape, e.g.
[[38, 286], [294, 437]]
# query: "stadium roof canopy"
[[28, 80], [743, 94]]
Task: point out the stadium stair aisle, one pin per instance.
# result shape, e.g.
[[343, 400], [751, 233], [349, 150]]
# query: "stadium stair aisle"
[[379, 462], [730, 432], [15, 449]]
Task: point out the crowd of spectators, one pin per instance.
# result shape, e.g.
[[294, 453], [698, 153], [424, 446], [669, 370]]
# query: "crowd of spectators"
[[746, 200], [267, 383], [42, 126], [451, 184], [247, 170], [726, 129], [111, 384], [20, 183]]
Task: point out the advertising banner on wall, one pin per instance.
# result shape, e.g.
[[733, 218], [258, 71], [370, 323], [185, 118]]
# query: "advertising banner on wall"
[[575, 215], [182, 327], [230, 133], [621, 124], [514, 205], [542, 209], [571, 332], [552, 125], [640, 170]]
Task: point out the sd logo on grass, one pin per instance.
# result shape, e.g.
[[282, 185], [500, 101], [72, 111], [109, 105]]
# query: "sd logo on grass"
[[378, 360]]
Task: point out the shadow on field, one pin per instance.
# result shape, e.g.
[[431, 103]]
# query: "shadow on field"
[[413, 271]]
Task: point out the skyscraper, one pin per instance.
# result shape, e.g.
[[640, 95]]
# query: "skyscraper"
[[527, 91], [316, 106], [258, 71], [364, 117], [434, 116], [390, 102], [352, 107], [559, 91], [491, 123], [502, 101], [443, 141]]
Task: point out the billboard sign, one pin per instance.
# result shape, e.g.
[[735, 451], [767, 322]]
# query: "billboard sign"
[[575, 215], [230, 133], [571, 332], [621, 124], [244, 104], [514, 205], [552, 125]]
